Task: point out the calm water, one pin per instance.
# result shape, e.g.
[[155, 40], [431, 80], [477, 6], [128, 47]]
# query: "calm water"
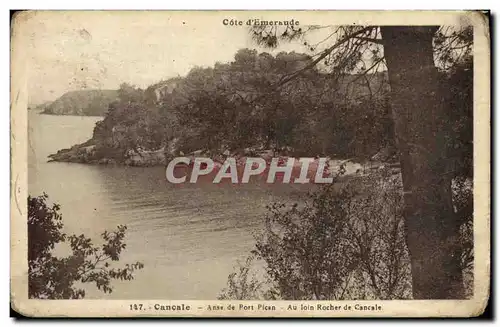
[[189, 238]]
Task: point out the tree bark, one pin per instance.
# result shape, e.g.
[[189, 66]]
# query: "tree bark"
[[432, 230]]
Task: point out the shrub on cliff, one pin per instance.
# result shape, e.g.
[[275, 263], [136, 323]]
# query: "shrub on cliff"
[[131, 123]]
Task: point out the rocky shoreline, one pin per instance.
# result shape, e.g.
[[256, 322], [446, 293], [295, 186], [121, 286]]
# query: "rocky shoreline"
[[85, 153]]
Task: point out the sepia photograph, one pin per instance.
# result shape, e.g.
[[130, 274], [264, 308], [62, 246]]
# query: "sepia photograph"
[[250, 163]]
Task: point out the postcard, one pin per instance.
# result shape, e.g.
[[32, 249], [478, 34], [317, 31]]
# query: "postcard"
[[250, 163]]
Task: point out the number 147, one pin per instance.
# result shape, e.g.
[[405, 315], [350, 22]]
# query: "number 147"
[[136, 307]]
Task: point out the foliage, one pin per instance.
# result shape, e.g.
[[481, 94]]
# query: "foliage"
[[464, 209], [345, 242], [131, 123], [52, 277], [452, 46], [243, 284], [236, 106], [459, 99]]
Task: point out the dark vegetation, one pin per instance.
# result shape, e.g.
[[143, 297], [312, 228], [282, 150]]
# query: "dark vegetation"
[[234, 107], [54, 277]]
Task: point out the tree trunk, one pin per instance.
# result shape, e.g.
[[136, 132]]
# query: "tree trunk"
[[431, 228]]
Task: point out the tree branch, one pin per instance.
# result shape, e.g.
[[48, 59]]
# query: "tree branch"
[[378, 61], [369, 39], [285, 79], [323, 55]]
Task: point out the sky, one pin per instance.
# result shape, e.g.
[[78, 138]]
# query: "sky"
[[100, 50]]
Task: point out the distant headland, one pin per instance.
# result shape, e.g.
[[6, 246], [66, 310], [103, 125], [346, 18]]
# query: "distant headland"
[[80, 103]]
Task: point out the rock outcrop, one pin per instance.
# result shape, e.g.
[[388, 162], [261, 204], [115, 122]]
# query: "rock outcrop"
[[88, 153]]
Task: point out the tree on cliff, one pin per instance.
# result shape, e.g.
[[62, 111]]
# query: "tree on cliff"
[[412, 55], [52, 277], [234, 105], [132, 122]]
